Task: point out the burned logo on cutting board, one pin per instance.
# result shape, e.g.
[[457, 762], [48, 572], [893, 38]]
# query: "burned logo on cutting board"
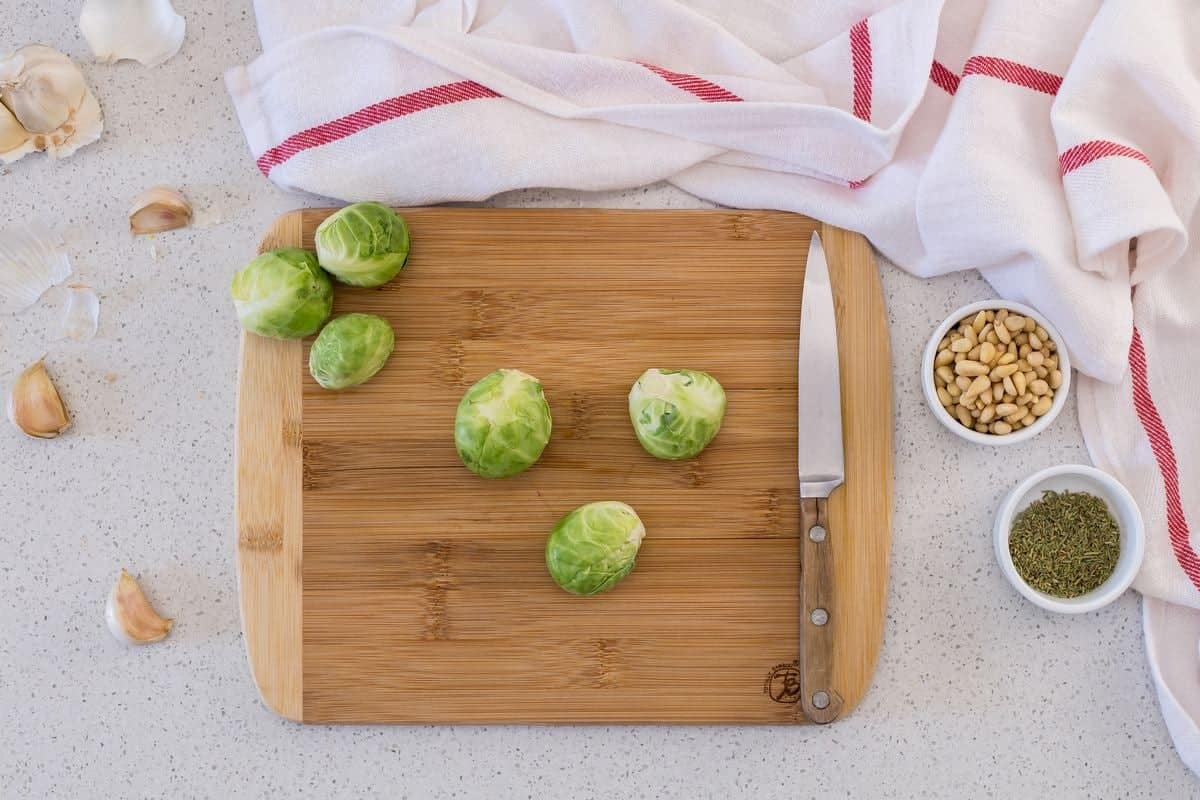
[[783, 683]]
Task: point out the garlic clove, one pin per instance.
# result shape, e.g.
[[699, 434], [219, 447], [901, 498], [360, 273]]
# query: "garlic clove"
[[46, 96], [31, 261], [159, 209], [149, 31], [12, 133], [82, 316], [130, 616], [35, 406]]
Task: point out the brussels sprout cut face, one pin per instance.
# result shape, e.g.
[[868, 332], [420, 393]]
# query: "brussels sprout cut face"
[[503, 424], [350, 350], [365, 244], [282, 294], [676, 412], [594, 546]]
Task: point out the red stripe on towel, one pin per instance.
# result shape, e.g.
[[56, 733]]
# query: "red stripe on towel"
[[1164, 454], [374, 114], [943, 78], [706, 90], [1012, 72], [1081, 154], [860, 58]]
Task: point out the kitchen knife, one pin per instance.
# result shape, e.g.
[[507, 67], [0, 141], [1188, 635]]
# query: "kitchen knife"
[[822, 469]]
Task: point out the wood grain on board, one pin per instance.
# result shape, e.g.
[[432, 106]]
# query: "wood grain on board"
[[383, 582]]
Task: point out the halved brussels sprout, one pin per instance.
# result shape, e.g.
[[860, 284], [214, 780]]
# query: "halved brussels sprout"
[[594, 546], [503, 424], [365, 244], [676, 412], [350, 350], [283, 294]]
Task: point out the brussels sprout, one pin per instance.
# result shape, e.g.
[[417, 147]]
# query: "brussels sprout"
[[350, 350], [283, 294], [365, 244], [503, 424], [594, 546], [676, 412]]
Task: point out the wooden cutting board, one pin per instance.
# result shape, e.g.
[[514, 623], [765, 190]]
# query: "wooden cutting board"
[[383, 582]]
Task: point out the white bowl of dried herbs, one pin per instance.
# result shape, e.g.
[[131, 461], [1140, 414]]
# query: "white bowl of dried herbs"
[[1070, 538]]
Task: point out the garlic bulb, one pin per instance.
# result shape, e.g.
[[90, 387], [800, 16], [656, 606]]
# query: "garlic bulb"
[[159, 209], [149, 31], [31, 261], [82, 316], [130, 616], [35, 406], [44, 95]]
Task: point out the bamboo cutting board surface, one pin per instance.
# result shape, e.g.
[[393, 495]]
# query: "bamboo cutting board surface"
[[383, 582]]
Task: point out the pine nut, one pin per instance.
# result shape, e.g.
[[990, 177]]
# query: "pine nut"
[[980, 321], [944, 397], [971, 368], [1039, 387], [1055, 379], [1001, 428], [953, 390], [1030, 326], [978, 386], [987, 352], [964, 417], [1041, 371], [963, 382], [980, 427], [1024, 351], [997, 392], [1005, 409], [1019, 383], [1002, 334], [944, 357], [1002, 371], [988, 414], [945, 373], [961, 345], [1035, 359], [1041, 333], [1021, 338], [1009, 386], [1026, 399], [973, 353], [1035, 342], [1041, 406], [1014, 322]]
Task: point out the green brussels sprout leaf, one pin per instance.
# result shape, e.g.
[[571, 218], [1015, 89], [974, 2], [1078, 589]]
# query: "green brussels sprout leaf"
[[283, 294], [365, 244], [350, 350], [503, 424], [676, 412], [594, 547]]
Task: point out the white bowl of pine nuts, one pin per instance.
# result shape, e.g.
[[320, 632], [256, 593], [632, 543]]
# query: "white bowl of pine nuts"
[[995, 372]]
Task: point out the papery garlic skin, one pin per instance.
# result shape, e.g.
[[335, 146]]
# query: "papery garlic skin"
[[82, 316], [31, 261], [35, 406], [130, 616], [159, 209], [43, 93], [149, 31]]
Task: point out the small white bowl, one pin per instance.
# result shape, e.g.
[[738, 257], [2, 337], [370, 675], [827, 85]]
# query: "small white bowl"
[[1076, 478], [944, 417]]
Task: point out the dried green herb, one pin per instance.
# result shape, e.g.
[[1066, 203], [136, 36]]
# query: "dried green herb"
[[1065, 544]]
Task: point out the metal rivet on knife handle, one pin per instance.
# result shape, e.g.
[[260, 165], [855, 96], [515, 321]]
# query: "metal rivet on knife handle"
[[816, 533], [819, 616], [820, 699]]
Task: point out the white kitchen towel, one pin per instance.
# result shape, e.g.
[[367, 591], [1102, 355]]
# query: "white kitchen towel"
[[1032, 141]]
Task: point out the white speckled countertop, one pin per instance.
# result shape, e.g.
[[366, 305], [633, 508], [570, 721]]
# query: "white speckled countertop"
[[977, 694]]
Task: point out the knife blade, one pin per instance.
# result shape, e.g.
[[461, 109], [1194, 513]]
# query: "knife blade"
[[821, 467]]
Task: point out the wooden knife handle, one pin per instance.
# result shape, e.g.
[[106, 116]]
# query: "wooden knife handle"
[[818, 617]]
